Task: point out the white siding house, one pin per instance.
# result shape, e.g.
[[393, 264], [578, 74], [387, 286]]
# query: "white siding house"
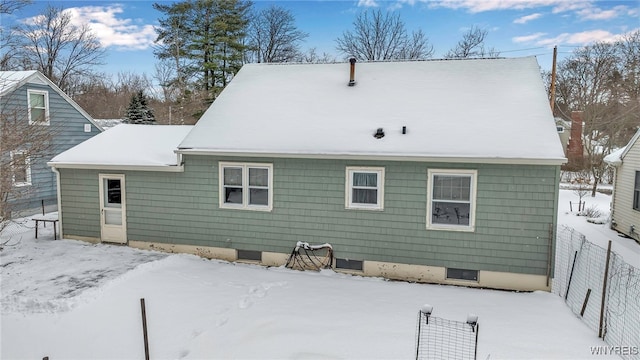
[[625, 204]]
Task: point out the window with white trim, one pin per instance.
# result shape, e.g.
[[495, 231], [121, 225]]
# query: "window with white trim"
[[451, 199], [365, 188], [246, 186], [21, 168], [38, 107], [636, 192]]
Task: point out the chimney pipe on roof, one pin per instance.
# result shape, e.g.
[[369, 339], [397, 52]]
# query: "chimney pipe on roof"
[[352, 72]]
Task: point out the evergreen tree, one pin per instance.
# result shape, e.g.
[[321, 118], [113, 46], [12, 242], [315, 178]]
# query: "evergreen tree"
[[205, 39], [138, 111]]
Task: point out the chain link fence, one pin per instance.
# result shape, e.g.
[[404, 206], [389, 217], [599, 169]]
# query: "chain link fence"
[[582, 278], [13, 231]]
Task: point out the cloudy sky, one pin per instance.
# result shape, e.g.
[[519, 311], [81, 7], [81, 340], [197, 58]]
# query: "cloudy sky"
[[516, 27]]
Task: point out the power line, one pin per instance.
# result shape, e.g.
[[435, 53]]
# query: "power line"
[[535, 48]]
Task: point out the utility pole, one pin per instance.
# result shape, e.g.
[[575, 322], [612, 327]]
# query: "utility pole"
[[552, 96]]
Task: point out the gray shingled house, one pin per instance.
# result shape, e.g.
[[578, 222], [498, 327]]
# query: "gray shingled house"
[[440, 171], [28, 98]]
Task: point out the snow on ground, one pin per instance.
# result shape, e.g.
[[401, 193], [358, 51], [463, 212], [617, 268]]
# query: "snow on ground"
[[600, 234], [73, 300]]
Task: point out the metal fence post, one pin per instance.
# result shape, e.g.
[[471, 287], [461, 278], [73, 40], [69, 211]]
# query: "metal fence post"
[[604, 290]]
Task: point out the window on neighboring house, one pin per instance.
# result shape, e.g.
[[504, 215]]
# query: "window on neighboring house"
[[21, 167], [451, 200], [38, 107], [636, 192], [246, 186], [365, 188]]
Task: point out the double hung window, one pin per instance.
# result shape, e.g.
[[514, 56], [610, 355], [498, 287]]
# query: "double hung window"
[[246, 186], [21, 168], [365, 188], [38, 107], [451, 199]]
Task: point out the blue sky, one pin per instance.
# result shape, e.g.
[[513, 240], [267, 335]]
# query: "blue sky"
[[515, 27]]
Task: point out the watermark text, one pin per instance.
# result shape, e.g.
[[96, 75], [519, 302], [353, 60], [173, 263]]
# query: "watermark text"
[[614, 350]]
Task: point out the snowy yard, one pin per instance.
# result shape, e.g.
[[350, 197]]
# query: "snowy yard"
[[73, 300]]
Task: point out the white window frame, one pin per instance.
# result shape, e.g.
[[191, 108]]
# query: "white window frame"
[[349, 204], [46, 106], [27, 165], [245, 186], [473, 199]]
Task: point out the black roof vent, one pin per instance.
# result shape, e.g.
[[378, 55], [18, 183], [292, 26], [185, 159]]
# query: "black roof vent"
[[379, 133]]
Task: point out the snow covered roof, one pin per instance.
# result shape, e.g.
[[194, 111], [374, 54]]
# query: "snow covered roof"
[[11, 80], [127, 146], [108, 123], [616, 157], [483, 110]]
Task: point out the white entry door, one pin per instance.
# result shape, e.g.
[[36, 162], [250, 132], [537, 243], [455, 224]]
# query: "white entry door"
[[113, 222]]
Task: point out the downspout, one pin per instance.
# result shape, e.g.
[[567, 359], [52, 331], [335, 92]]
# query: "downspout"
[[58, 193], [179, 158]]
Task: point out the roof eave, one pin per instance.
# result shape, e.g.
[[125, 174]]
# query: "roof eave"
[[116, 167], [380, 157]]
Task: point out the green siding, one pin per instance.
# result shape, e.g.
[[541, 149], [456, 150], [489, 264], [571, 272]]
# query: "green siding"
[[515, 206]]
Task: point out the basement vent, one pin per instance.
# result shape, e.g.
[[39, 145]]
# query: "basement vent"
[[462, 274], [249, 255], [349, 264]]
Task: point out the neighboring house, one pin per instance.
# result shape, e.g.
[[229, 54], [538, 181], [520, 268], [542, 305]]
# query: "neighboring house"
[[28, 97], [625, 202], [410, 170], [564, 130]]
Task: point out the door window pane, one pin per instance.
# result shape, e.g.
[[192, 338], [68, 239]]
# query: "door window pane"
[[113, 216], [113, 196]]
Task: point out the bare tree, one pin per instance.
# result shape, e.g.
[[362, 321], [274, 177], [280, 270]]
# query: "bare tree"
[[165, 76], [273, 35], [21, 146], [8, 42], [601, 80], [472, 46], [312, 57], [9, 6], [62, 51], [383, 36]]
